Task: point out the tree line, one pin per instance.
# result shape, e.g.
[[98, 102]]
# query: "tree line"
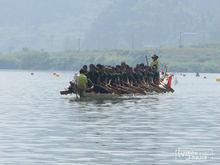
[[191, 59]]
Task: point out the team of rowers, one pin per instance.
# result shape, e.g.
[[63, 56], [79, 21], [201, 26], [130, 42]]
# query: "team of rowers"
[[119, 79]]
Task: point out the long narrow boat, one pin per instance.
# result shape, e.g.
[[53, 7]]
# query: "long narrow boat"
[[163, 87]]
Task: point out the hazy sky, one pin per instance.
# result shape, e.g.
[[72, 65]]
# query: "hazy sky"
[[58, 24]]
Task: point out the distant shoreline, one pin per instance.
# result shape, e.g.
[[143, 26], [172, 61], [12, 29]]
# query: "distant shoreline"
[[189, 59]]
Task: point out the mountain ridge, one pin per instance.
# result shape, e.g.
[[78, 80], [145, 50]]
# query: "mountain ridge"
[[155, 22]]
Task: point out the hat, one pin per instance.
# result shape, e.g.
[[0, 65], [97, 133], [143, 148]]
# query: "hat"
[[155, 56]]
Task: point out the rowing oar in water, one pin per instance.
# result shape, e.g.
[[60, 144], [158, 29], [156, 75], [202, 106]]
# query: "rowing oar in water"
[[128, 90], [145, 86], [138, 89], [117, 88], [109, 89], [120, 89]]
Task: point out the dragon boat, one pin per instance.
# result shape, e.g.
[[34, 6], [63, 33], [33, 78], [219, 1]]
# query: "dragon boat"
[[164, 86]]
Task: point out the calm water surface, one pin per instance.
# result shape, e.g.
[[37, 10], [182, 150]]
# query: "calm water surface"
[[38, 126]]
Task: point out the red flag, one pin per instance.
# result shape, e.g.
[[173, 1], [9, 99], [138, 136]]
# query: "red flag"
[[169, 84]]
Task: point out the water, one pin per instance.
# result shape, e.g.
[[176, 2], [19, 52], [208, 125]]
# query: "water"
[[38, 126]]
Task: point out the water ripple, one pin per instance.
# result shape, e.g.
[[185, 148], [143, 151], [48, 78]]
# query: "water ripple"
[[37, 126]]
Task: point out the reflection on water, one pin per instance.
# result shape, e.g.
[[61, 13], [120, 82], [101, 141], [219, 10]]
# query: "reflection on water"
[[38, 126]]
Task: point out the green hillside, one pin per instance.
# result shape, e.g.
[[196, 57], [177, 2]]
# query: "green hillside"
[[189, 59]]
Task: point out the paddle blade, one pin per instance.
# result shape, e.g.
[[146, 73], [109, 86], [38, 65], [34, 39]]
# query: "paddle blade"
[[65, 92]]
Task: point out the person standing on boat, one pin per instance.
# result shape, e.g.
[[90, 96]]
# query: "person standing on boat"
[[82, 83], [155, 69]]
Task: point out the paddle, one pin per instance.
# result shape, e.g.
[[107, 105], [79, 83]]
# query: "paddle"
[[147, 60], [137, 89], [65, 92]]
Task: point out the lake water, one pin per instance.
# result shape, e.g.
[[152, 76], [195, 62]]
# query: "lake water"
[[38, 126]]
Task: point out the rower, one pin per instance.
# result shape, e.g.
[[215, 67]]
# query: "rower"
[[155, 68], [85, 68]]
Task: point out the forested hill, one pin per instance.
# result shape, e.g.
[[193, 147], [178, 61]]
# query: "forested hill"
[[187, 59], [144, 23]]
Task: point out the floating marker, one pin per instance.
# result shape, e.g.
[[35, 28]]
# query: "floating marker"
[[56, 74]]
